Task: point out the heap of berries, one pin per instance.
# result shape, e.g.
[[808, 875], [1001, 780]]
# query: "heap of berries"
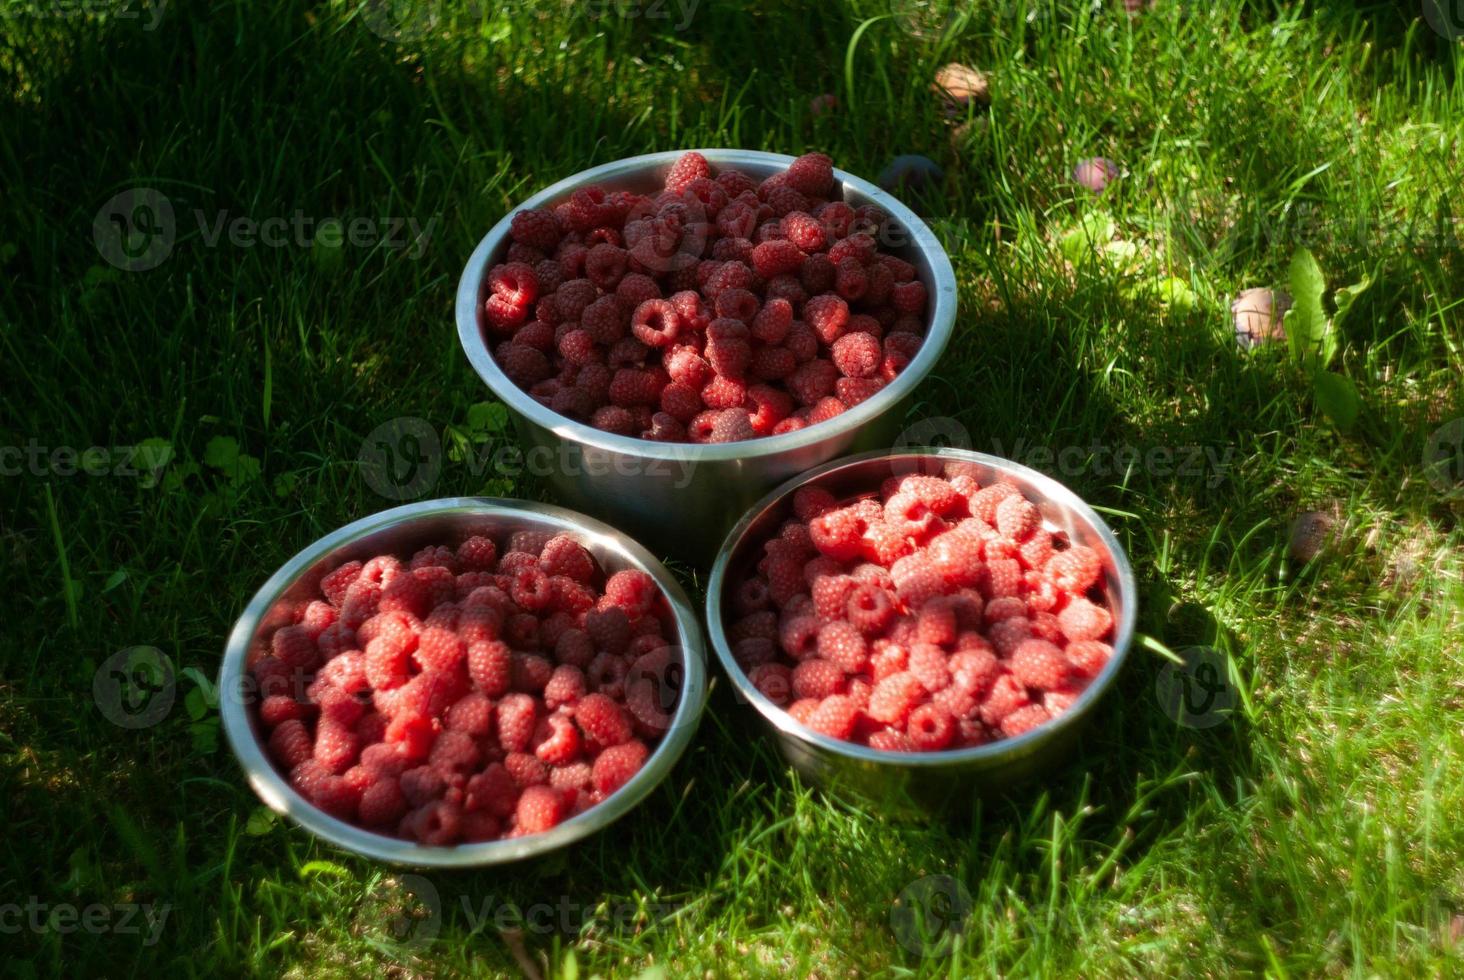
[[721, 308], [936, 614], [469, 694]]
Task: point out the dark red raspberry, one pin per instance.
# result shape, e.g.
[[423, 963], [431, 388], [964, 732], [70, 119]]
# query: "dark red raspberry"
[[630, 387], [615, 766], [812, 174], [605, 265], [805, 231], [828, 315], [856, 355], [777, 257], [604, 320], [535, 228], [724, 392], [908, 297], [812, 381], [689, 167], [514, 283], [769, 406], [655, 323]]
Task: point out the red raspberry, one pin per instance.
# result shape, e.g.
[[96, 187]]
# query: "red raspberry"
[[1024, 719], [477, 553], [800, 636], [536, 229], [608, 627], [928, 665], [985, 501], [531, 589], [769, 406], [1008, 634], [686, 366], [1005, 696], [824, 409], [290, 743], [602, 720], [835, 717], [636, 288], [812, 174], [656, 323], [605, 322], [917, 581], [729, 356], [471, 715], [605, 265], [540, 808], [1003, 577], [490, 665], [869, 610], [727, 275], [894, 698], [830, 590], [633, 591], [828, 315], [817, 678], [516, 716], [850, 280], [382, 803], [440, 649], [857, 355], [930, 728], [279, 708], [589, 207], [335, 584], [774, 258], [891, 740], [1036, 551], [514, 283], [1040, 665], [838, 533], [530, 673], [336, 746], [724, 392], [1075, 570], [908, 297], [802, 342], [1088, 657], [774, 681], [1082, 620], [563, 555], [524, 365], [689, 167], [454, 753], [805, 231], [613, 418], [577, 347], [615, 766], [936, 622], [810, 501], [630, 387], [294, 647], [910, 516], [1005, 608], [812, 381], [843, 644], [557, 740], [1017, 518], [573, 298]]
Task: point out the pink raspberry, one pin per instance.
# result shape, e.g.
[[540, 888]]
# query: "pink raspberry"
[[1088, 657], [602, 720], [557, 742], [535, 228], [516, 716], [812, 174], [810, 501], [835, 716], [1017, 518], [891, 740], [828, 315], [1024, 719], [490, 665], [837, 533], [1082, 620], [724, 392], [774, 258], [857, 355], [817, 678], [656, 323], [1003, 578], [895, 697], [1075, 570], [1039, 664], [1005, 696], [471, 715], [540, 808], [936, 622], [930, 728], [841, 643], [615, 766], [869, 609], [688, 168], [928, 663], [773, 680]]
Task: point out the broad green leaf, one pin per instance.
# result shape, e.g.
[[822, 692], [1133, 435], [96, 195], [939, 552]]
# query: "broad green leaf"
[[1093, 231], [486, 418], [1306, 322], [1176, 293], [114, 580], [1347, 295], [221, 452], [196, 703], [285, 483], [260, 822], [1337, 396]]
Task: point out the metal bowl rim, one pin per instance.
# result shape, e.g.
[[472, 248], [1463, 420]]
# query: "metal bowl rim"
[[942, 317], [274, 789], [1052, 490]]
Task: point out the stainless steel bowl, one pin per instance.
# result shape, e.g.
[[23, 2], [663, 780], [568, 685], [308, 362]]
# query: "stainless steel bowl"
[[918, 782], [682, 498], [402, 530]]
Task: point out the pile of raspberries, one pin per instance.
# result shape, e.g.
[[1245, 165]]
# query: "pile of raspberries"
[[720, 309], [465, 695], [937, 614]]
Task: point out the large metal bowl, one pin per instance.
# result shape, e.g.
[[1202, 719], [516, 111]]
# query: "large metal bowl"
[[402, 530], [682, 498], [919, 782]]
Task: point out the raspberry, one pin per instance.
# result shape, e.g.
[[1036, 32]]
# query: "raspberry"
[[294, 647], [454, 752], [930, 728], [490, 665], [514, 283], [857, 355], [336, 746], [477, 553], [1010, 607], [812, 174], [805, 231], [439, 649], [278, 708], [850, 280], [774, 681], [471, 715], [725, 425], [1075, 570], [895, 697], [736, 304], [1036, 551], [837, 533], [908, 297], [609, 629], [604, 321], [841, 643], [290, 743], [824, 409], [686, 366], [1040, 665], [729, 356], [536, 229], [985, 501], [382, 803], [936, 622], [655, 323], [1024, 719], [957, 557], [630, 387], [632, 590], [615, 766], [916, 581], [563, 555], [1003, 578], [773, 321], [605, 265], [688, 168], [869, 610], [540, 808], [774, 258], [516, 715], [909, 515], [812, 381], [769, 406], [530, 673], [835, 716], [817, 678], [1082, 620], [830, 590], [1088, 657], [891, 740], [1005, 696], [928, 665], [557, 740], [602, 720], [828, 315], [1017, 518]]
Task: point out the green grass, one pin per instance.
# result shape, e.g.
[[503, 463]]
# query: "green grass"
[[1316, 831]]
